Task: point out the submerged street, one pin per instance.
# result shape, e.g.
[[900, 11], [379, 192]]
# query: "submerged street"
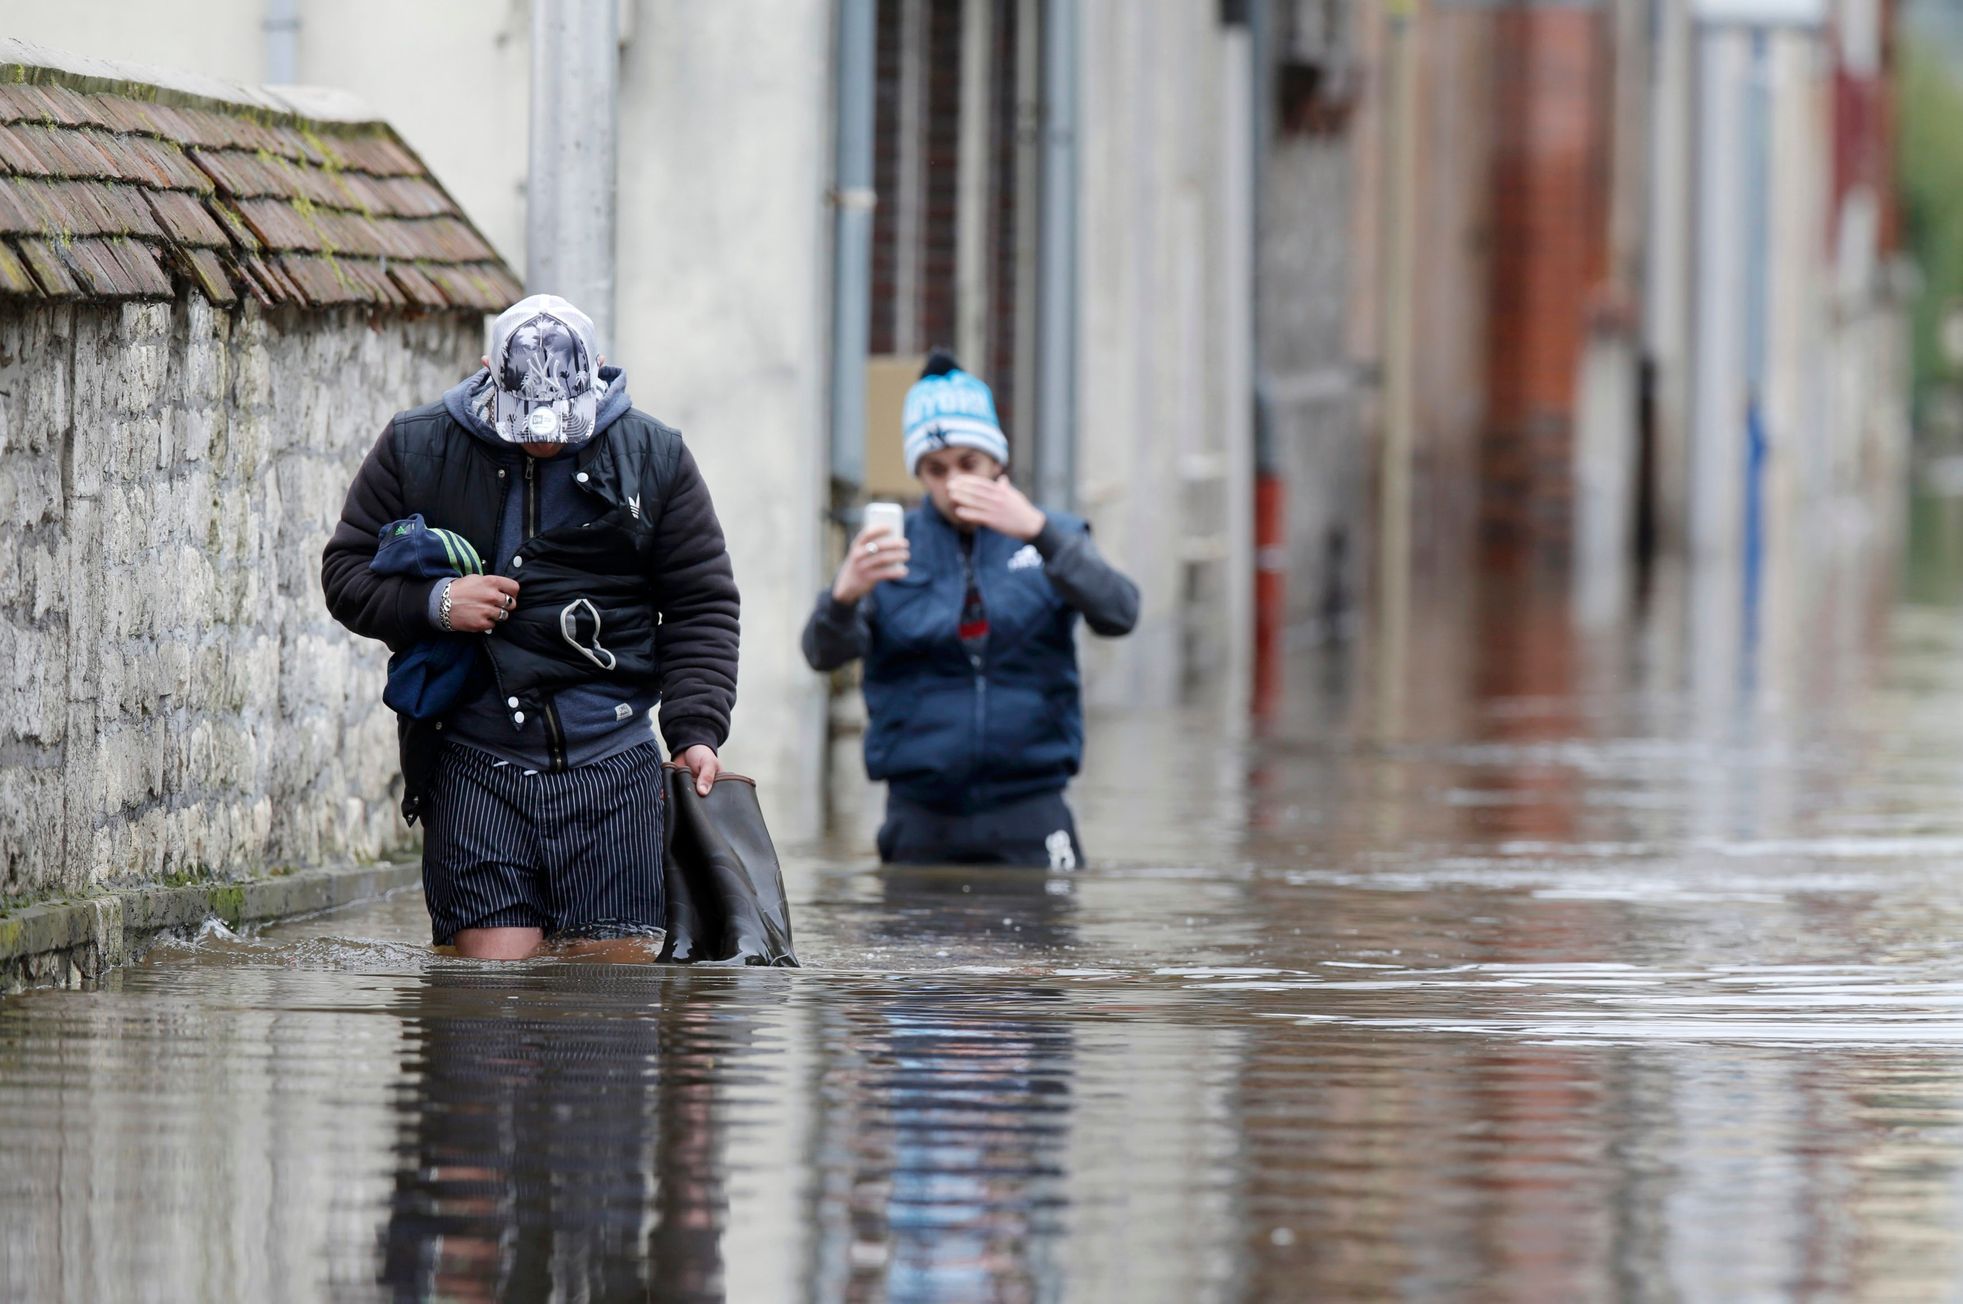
[[1561, 972]]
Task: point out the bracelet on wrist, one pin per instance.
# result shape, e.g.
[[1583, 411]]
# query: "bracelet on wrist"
[[443, 608]]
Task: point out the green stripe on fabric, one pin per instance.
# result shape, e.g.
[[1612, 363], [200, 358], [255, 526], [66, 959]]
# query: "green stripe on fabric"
[[462, 556], [470, 554], [449, 550]]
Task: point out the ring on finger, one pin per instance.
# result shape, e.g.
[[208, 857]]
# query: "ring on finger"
[[872, 547]]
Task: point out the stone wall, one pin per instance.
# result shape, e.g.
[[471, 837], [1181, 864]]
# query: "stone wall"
[[175, 700]]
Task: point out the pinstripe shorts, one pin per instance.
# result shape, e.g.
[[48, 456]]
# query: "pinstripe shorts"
[[576, 853]]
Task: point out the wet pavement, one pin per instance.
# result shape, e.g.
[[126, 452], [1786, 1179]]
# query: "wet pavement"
[[1544, 964]]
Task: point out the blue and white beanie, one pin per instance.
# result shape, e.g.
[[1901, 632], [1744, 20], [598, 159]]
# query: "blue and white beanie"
[[948, 408]]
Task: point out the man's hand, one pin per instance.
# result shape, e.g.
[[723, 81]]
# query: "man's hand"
[[876, 556], [996, 504], [479, 602], [702, 763]]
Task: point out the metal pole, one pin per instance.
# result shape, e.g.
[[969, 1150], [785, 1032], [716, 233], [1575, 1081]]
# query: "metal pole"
[[1758, 244], [972, 207], [569, 197], [853, 199], [1261, 88], [1056, 264], [1028, 197], [1270, 499], [1400, 398], [282, 28], [908, 196]]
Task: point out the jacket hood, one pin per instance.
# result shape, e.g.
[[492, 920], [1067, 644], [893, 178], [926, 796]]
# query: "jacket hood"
[[467, 403]]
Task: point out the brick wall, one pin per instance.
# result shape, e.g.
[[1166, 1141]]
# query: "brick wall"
[[174, 698], [1549, 252]]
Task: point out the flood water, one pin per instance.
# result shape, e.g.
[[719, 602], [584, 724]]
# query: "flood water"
[[1547, 964]]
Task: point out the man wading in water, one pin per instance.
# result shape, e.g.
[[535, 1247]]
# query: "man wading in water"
[[968, 627], [608, 588]]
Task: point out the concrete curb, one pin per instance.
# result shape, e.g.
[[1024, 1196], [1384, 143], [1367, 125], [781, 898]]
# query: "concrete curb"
[[63, 943]]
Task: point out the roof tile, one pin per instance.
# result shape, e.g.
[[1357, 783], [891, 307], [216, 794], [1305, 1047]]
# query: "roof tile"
[[294, 144], [484, 286], [277, 283], [413, 197], [163, 165], [416, 287], [235, 226], [16, 214], [14, 276], [69, 108], [64, 209], [56, 281], [253, 275], [18, 157], [205, 270], [321, 281], [126, 115], [138, 273], [16, 105], [37, 105], [186, 220], [377, 155], [95, 273], [280, 225]]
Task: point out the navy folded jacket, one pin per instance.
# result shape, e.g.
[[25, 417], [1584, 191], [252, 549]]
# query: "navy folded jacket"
[[426, 680]]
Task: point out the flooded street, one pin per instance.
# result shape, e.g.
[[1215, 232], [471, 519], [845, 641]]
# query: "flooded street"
[[1578, 967]]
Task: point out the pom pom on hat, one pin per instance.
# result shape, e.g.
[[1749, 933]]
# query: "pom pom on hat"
[[948, 408]]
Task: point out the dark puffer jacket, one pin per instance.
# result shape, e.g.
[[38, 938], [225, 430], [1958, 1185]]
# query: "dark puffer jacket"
[[641, 592], [962, 732]]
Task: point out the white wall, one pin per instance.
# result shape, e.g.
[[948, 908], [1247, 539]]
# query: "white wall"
[[1163, 352], [723, 299], [220, 38]]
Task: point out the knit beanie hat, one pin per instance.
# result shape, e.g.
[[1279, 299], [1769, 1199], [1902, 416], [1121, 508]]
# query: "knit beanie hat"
[[545, 379], [948, 408]]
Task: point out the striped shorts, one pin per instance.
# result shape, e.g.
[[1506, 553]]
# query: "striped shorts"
[[576, 853]]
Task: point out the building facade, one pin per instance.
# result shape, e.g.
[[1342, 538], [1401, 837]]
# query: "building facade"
[[1313, 307]]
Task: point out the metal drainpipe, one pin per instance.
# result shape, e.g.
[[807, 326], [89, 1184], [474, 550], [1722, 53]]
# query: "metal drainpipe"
[[1056, 265], [1270, 488], [282, 28], [569, 196], [853, 199]]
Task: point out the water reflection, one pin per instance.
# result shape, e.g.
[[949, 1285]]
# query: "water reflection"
[[1572, 968], [565, 1137], [935, 1150]]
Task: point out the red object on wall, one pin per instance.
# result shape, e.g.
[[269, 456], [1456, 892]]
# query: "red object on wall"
[[1549, 196], [1270, 589]]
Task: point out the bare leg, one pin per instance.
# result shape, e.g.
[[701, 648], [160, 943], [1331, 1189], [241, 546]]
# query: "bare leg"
[[498, 943], [611, 950]]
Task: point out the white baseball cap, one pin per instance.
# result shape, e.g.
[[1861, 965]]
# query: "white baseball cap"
[[545, 375]]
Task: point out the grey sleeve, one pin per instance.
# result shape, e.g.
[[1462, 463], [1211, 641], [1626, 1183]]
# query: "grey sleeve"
[[1107, 600], [837, 634], [436, 592]]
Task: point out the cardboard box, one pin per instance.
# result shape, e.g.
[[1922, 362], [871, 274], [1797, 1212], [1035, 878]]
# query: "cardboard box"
[[888, 377]]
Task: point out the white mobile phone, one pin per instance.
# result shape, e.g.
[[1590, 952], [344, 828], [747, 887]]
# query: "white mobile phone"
[[890, 515]]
